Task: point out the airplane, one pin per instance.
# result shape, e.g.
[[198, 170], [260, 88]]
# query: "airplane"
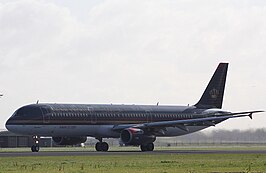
[[135, 125]]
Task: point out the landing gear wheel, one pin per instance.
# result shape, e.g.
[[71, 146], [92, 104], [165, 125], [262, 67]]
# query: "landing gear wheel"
[[150, 146], [105, 146], [101, 146], [98, 146], [35, 148], [147, 147], [143, 147]]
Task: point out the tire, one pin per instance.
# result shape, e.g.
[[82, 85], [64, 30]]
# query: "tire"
[[105, 146], [143, 147], [35, 148], [98, 146], [150, 147]]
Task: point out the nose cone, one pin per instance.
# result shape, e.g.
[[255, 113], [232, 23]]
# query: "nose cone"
[[12, 126], [8, 124]]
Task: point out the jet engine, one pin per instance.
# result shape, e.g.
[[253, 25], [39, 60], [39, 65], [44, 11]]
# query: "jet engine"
[[69, 140], [134, 136]]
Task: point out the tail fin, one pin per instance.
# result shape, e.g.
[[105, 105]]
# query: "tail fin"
[[213, 94]]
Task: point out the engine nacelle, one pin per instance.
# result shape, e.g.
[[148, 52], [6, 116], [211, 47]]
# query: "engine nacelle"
[[69, 140], [134, 136]]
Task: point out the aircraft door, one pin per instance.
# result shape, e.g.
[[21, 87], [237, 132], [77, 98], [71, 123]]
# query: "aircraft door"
[[46, 115]]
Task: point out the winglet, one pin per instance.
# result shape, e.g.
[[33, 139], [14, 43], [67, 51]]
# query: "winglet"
[[250, 115]]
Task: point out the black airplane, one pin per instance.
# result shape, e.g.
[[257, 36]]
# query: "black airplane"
[[135, 125]]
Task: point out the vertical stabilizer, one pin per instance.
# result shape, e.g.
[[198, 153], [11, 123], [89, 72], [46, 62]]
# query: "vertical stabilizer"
[[213, 94]]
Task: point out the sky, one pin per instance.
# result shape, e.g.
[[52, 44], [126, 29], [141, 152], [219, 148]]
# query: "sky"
[[132, 52]]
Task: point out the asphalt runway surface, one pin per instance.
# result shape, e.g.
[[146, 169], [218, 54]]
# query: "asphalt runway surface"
[[94, 153]]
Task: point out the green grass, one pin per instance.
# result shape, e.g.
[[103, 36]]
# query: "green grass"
[[183, 163], [139, 162]]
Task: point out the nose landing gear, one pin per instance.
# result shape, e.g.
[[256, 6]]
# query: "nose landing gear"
[[35, 147]]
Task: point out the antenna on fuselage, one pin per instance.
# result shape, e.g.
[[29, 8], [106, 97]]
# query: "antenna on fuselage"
[[37, 102], [157, 103]]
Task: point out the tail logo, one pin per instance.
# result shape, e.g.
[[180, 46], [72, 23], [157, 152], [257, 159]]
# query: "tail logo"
[[214, 93]]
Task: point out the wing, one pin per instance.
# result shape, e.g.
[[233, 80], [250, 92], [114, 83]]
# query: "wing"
[[182, 124]]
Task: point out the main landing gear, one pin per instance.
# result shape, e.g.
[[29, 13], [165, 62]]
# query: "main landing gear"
[[35, 147], [147, 147], [101, 146]]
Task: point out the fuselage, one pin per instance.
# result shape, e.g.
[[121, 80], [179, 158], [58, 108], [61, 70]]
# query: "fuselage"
[[98, 120]]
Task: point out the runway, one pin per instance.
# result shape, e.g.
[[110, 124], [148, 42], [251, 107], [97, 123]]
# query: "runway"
[[94, 153]]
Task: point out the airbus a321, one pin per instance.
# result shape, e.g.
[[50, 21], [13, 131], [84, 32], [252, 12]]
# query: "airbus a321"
[[135, 125]]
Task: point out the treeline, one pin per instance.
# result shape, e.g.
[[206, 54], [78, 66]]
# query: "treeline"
[[257, 136]]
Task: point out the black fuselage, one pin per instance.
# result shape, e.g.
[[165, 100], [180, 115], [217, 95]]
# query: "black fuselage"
[[88, 114]]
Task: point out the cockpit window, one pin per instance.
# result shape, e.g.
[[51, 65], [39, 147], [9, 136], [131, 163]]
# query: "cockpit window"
[[15, 114], [21, 112], [29, 111]]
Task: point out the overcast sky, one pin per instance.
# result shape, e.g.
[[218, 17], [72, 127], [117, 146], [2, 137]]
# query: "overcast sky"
[[132, 52]]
